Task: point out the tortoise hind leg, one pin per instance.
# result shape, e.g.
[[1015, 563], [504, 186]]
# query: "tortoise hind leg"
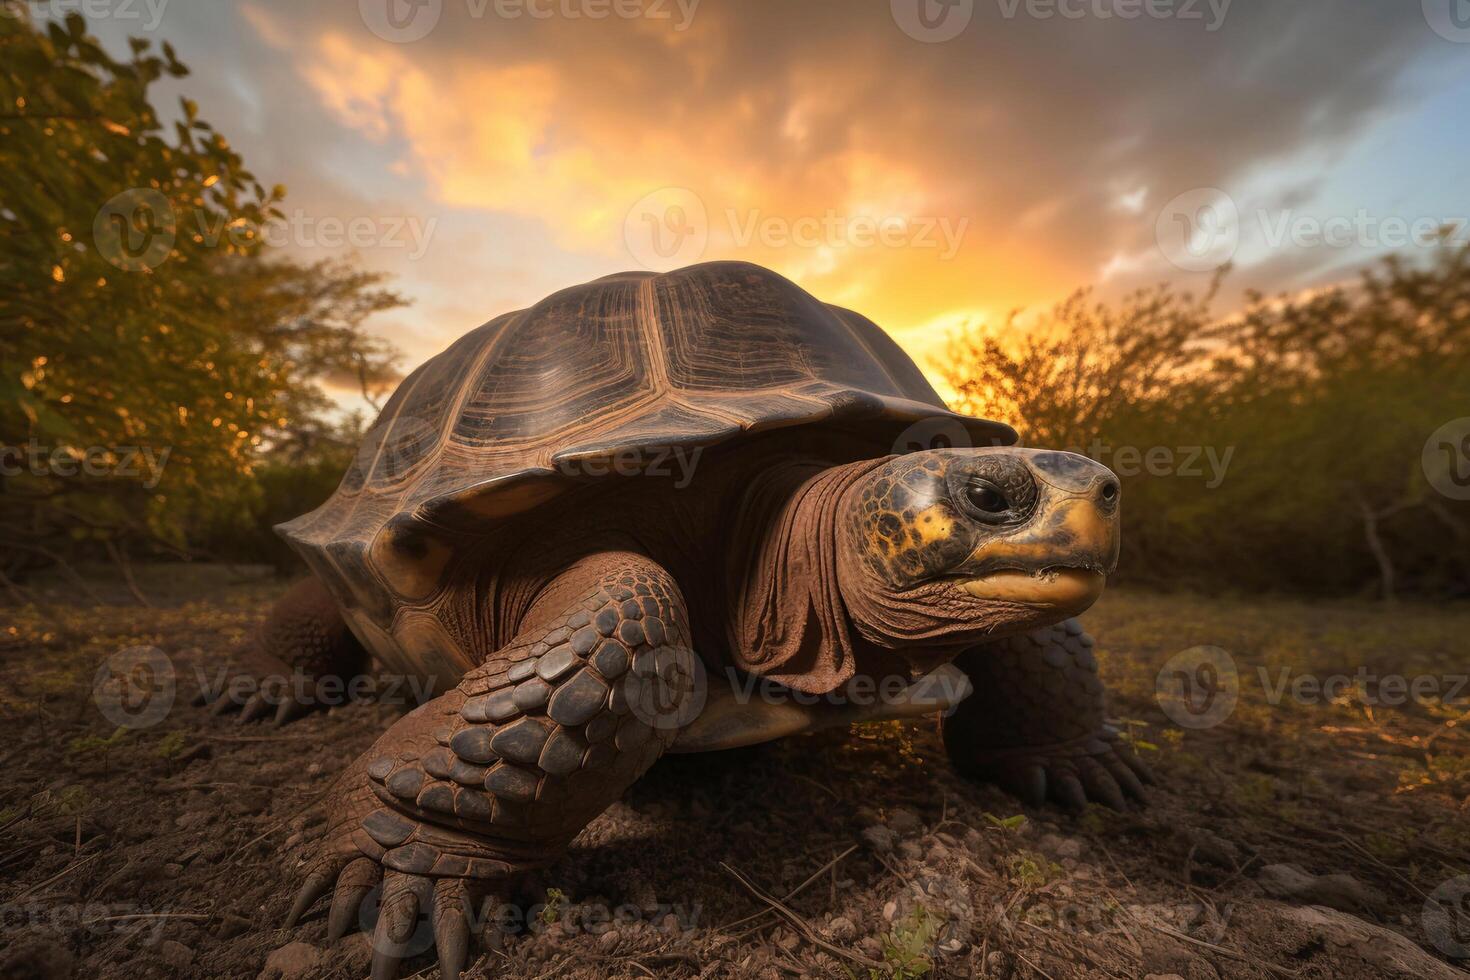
[[1036, 723], [302, 657], [494, 778]]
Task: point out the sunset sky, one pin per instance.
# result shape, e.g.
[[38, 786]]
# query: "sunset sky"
[[929, 167]]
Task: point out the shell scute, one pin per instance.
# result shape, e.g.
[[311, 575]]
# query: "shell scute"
[[591, 383]]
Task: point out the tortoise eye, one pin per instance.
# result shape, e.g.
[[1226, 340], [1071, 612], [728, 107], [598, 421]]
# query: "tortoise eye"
[[985, 498]]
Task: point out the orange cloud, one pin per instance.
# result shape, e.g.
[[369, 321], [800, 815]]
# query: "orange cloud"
[[926, 185]]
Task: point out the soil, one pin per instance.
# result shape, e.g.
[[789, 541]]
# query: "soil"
[[1313, 837]]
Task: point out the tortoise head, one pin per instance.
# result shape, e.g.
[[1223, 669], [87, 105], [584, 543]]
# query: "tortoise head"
[[950, 546]]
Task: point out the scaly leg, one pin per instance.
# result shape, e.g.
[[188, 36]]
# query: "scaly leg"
[[495, 778], [1036, 724], [302, 643]]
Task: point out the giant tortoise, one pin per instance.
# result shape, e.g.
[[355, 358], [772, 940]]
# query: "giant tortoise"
[[584, 527]]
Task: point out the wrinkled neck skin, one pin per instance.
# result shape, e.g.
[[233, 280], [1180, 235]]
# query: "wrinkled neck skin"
[[931, 623], [787, 619]]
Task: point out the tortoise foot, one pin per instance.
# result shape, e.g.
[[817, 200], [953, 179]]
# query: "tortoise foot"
[[302, 659], [1098, 768], [491, 780], [415, 887], [1036, 723], [261, 688]]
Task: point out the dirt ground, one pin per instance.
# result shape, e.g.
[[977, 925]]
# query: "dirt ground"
[[1305, 835]]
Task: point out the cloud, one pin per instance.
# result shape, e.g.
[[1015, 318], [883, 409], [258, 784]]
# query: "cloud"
[[1043, 144]]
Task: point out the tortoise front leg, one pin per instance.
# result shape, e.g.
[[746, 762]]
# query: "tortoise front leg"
[[1036, 723], [495, 777]]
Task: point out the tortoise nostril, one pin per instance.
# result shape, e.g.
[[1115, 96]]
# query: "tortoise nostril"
[[1109, 491]]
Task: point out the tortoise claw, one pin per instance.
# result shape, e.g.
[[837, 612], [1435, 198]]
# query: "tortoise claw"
[[452, 926], [1068, 791], [223, 704], [317, 882], [1100, 786], [1027, 784], [1134, 763], [1125, 777], [403, 896], [355, 883], [257, 706], [290, 709]]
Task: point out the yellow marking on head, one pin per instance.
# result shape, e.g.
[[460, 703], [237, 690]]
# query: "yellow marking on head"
[[1081, 523], [933, 524]]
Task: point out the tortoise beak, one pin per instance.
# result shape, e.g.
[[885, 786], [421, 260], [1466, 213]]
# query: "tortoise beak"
[[1060, 559]]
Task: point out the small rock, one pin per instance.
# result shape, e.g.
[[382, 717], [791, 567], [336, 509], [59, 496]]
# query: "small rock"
[[1062, 847], [247, 802], [175, 954], [903, 821], [1210, 846], [192, 819], [879, 838], [890, 910], [292, 961], [609, 939], [1340, 891], [842, 929], [1386, 951], [911, 850]]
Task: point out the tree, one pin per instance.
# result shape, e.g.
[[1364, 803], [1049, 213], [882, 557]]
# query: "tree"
[[1310, 413], [151, 351]]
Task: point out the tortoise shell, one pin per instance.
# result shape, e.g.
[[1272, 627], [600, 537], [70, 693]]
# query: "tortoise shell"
[[621, 368]]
